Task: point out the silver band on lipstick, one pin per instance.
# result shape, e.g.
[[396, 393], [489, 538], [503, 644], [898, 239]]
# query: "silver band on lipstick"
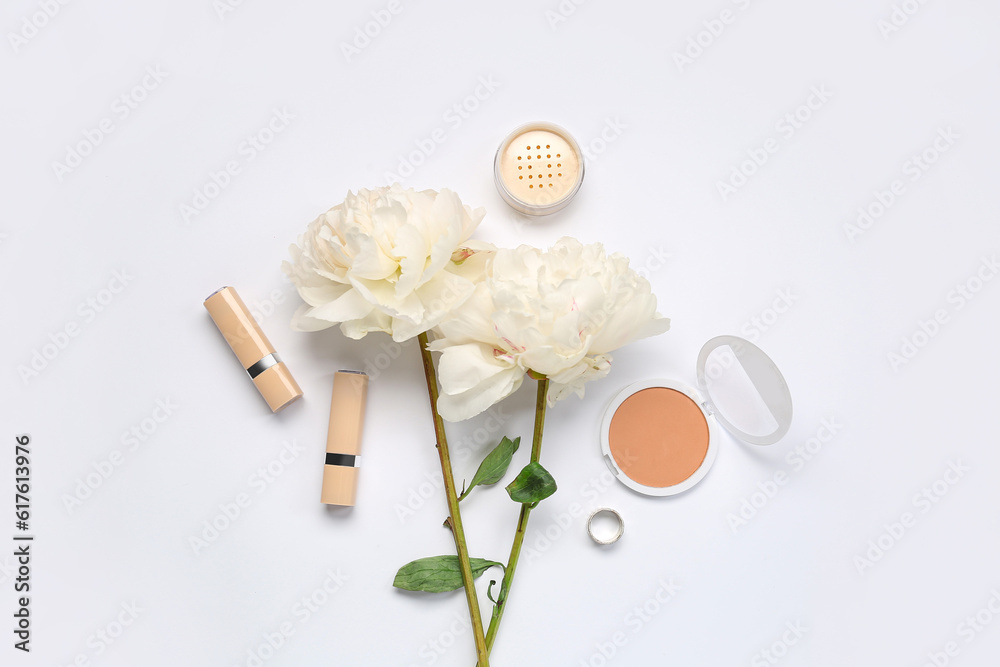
[[270, 360]]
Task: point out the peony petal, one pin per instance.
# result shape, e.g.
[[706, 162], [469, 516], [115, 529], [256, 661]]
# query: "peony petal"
[[350, 305], [301, 320], [470, 323], [318, 292], [443, 294], [547, 361], [472, 261], [374, 321], [574, 380], [368, 260], [445, 227], [411, 252], [493, 389], [463, 367], [431, 304], [633, 322], [382, 261]]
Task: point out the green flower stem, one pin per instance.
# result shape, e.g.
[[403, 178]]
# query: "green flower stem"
[[541, 403], [455, 518]]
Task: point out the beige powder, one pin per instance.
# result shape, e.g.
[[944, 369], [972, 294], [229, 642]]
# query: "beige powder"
[[539, 167], [659, 437]]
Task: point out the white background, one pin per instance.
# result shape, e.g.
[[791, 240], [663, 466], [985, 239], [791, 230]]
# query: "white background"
[[653, 189]]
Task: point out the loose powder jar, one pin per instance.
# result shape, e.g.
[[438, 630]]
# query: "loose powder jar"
[[538, 168]]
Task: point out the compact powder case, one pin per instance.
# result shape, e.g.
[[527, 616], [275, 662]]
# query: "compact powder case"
[[660, 437], [538, 168]]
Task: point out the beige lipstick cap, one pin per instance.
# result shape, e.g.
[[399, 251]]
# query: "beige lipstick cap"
[[252, 348], [343, 443]]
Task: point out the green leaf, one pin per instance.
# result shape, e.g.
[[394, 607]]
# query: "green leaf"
[[532, 484], [494, 466], [437, 574]]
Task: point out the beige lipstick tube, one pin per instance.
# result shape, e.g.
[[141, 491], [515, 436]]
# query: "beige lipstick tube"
[[252, 348], [343, 441]]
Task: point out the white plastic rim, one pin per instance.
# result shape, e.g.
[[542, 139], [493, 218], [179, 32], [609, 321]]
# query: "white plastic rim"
[[701, 471], [767, 381]]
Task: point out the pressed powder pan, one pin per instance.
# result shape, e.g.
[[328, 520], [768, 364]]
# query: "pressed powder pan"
[[660, 437]]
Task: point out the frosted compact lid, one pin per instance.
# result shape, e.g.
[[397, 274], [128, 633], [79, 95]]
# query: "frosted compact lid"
[[744, 390], [538, 168]]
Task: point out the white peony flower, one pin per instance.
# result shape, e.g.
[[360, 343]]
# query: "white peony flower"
[[389, 259], [558, 313]]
